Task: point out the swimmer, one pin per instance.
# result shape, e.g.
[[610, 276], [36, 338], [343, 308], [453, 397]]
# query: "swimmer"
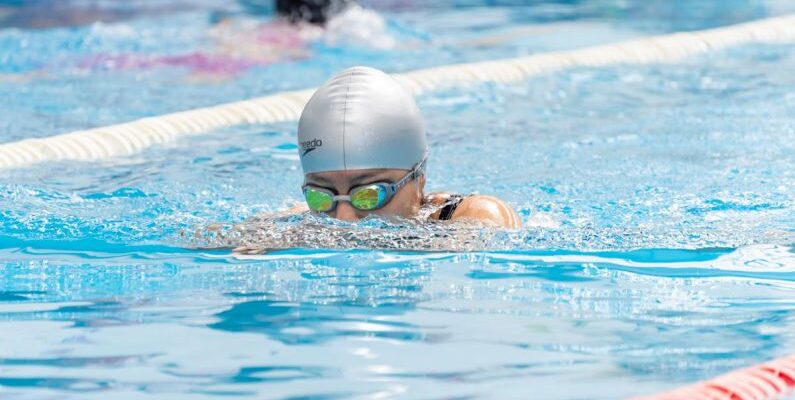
[[363, 152], [240, 44]]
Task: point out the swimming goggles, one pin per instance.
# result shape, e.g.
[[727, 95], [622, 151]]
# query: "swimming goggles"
[[369, 197]]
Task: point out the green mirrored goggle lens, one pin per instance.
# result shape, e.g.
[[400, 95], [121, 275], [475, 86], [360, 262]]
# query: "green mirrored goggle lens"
[[318, 200], [369, 197]]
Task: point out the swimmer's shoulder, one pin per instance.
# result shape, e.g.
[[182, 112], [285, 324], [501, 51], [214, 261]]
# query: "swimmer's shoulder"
[[473, 207]]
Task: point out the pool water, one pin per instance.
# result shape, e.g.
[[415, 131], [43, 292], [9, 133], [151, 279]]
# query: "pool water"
[[658, 204]]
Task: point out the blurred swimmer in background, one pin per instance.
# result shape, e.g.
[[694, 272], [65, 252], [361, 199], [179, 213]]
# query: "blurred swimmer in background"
[[264, 33], [239, 44]]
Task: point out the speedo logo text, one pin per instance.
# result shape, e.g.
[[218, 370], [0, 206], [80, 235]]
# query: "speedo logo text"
[[310, 145]]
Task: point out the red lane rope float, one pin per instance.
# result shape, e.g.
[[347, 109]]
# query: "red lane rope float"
[[771, 380]]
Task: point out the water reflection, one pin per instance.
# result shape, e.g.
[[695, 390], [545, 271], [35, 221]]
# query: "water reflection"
[[311, 323], [343, 295], [293, 322]]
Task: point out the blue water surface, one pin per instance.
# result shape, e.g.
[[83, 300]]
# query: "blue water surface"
[[658, 205]]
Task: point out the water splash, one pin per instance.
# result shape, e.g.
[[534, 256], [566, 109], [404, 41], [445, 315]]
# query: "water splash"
[[266, 233]]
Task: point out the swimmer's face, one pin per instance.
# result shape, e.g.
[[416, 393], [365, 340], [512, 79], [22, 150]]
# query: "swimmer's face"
[[406, 202]]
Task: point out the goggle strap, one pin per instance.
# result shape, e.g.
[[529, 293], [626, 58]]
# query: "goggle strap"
[[415, 173]]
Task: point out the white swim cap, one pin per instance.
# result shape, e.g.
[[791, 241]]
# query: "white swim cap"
[[361, 119]]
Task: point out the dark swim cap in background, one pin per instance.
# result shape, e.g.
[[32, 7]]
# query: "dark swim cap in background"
[[313, 11]]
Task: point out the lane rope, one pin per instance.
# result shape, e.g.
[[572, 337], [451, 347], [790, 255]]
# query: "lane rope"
[[133, 137], [768, 381]]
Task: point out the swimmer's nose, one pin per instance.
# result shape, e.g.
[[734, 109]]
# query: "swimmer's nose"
[[346, 212]]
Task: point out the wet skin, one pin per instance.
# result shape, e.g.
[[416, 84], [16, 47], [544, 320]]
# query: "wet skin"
[[408, 201]]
